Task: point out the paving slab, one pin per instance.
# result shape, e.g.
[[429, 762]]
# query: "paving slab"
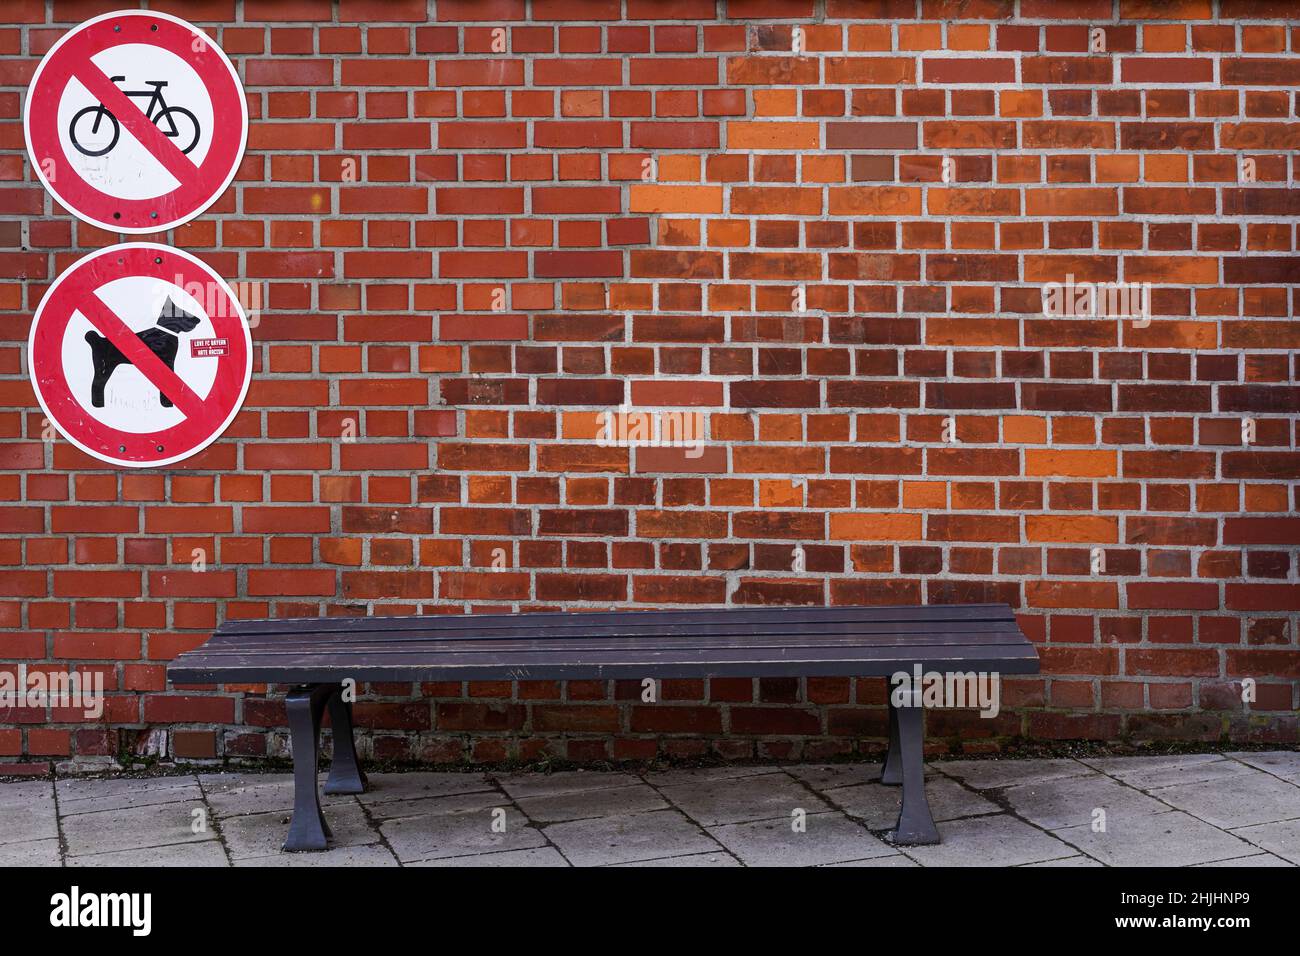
[[235, 779], [30, 853], [1147, 773], [877, 805], [386, 787], [584, 804], [736, 799], [27, 812], [874, 804], [132, 828], [1172, 838], [829, 837], [991, 774], [897, 860], [1071, 801], [24, 792], [691, 860], [1259, 859], [1069, 862], [828, 776], [259, 793], [82, 788], [206, 853], [1253, 798], [569, 781], [1280, 838], [999, 840], [541, 856], [679, 775], [370, 854], [629, 838], [457, 826], [262, 834], [187, 792], [1280, 763]]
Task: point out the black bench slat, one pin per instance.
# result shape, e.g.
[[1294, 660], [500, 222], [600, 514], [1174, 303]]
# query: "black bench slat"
[[537, 665], [435, 658], [864, 614], [361, 644], [707, 633]]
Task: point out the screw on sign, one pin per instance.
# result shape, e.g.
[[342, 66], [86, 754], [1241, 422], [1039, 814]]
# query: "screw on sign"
[[140, 355], [135, 121]]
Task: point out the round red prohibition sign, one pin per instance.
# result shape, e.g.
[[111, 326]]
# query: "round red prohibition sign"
[[135, 121], [140, 355]]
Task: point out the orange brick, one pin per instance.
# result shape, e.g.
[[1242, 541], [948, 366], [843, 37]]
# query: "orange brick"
[[920, 36], [875, 527], [772, 135], [967, 36], [695, 199], [925, 494], [1024, 429], [776, 103], [1162, 168], [1071, 464]]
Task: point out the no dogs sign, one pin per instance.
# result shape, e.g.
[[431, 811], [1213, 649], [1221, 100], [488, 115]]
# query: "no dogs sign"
[[140, 355], [135, 121]]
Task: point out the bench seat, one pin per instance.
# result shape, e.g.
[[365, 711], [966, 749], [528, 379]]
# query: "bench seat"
[[317, 655]]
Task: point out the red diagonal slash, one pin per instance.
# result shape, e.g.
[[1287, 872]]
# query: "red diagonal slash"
[[153, 139], [139, 355]]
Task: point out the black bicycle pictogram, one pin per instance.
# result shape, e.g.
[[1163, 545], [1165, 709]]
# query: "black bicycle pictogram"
[[163, 116]]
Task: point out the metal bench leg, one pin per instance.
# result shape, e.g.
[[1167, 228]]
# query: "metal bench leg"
[[915, 824], [306, 705], [891, 775], [346, 775]]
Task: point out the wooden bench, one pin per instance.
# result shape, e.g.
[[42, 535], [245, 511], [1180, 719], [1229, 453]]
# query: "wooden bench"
[[317, 655]]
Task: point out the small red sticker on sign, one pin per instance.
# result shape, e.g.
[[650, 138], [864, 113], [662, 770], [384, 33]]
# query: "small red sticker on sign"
[[208, 348]]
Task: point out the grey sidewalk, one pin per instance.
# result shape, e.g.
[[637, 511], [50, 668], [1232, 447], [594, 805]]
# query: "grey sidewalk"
[[1236, 809]]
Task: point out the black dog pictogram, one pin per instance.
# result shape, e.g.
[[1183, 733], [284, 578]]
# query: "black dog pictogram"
[[162, 339]]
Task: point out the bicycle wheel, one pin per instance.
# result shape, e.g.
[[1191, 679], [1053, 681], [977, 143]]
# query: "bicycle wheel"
[[92, 133], [184, 122]]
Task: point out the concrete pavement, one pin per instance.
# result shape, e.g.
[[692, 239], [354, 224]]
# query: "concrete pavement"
[[1232, 809]]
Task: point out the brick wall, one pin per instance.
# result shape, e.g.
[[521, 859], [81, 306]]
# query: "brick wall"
[[479, 225]]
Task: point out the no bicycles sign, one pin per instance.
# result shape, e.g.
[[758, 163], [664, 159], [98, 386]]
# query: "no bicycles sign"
[[140, 355], [135, 121]]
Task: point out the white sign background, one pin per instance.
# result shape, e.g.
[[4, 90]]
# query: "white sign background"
[[131, 400], [129, 170]]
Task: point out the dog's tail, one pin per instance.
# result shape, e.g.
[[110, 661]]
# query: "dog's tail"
[[94, 338]]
